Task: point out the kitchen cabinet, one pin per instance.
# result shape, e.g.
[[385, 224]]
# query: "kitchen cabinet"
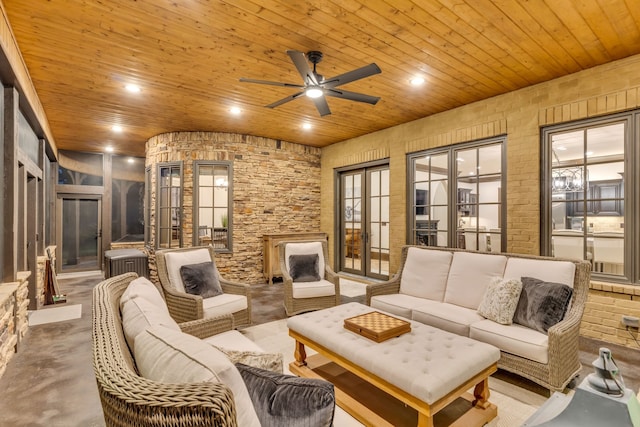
[[604, 198], [467, 202]]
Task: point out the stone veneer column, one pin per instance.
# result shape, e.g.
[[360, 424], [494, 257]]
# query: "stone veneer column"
[[276, 188]]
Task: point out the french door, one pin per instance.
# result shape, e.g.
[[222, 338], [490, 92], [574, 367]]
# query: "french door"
[[80, 233], [364, 221]]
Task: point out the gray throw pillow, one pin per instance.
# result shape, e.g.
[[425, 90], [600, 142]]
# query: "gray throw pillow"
[[304, 268], [542, 304], [201, 279], [287, 400]]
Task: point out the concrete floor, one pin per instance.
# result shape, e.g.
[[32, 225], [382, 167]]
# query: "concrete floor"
[[50, 382]]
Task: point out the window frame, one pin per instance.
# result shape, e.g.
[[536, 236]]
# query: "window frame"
[[196, 202], [180, 207], [452, 192], [631, 159]]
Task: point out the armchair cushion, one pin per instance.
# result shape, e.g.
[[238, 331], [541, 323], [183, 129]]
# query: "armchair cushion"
[[321, 288], [224, 304], [304, 267], [301, 248], [174, 357], [500, 300], [201, 279], [542, 304], [286, 400], [175, 260]]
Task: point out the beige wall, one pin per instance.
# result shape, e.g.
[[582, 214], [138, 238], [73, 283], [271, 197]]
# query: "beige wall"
[[606, 89]]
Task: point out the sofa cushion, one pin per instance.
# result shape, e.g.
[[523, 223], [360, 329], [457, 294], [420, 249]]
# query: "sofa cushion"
[[175, 260], [223, 304], [201, 279], [500, 300], [447, 317], [542, 304], [304, 268], [305, 248], [168, 356], [398, 304], [321, 288], [286, 400], [547, 270], [469, 276], [142, 287], [425, 273], [232, 340], [515, 339]]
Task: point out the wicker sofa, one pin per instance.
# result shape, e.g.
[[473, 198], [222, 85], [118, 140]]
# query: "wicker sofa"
[[444, 287]]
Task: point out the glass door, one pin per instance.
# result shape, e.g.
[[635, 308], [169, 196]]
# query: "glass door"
[[80, 233], [364, 222]]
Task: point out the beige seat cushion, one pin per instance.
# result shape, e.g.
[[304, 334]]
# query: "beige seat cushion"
[[469, 276], [305, 248], [321, 288], [399, 304], [515, 339], [175, 260], [425, 273], [223, 304], [448, 317], [168, 356]]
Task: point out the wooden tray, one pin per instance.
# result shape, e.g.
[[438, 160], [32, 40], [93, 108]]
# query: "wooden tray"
[[377, 326]]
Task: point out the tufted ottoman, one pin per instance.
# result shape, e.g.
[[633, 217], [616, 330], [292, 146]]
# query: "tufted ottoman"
[[426, 369]]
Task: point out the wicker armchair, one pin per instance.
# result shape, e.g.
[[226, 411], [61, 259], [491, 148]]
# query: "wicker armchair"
[[328, 289], [564, 363], [184, 306], [130, 400]]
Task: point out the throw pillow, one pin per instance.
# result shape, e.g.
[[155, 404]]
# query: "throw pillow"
[[286, 400], [304, 268], [267, 361], [500, 300], [201, 279], [542, 304], [170, 356]]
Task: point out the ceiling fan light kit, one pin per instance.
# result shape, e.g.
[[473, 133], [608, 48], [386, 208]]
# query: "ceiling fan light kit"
[[315, 85]]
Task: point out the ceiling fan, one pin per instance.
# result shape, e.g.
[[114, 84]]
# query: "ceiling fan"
[[317, 87]]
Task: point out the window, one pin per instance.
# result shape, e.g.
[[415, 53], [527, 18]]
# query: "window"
[[127, 199], [169, 205], [212, 205], [585, 214], [147, 206], [455, 196]]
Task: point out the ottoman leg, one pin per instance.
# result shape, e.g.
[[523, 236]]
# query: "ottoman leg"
[[300, 355], [481, 394]]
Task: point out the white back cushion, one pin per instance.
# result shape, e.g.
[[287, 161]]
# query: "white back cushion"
[[305, 248], [546, 270], [139, 313], [469, 276], [175, 357], [175, 260], [425, 273], [143, 288]]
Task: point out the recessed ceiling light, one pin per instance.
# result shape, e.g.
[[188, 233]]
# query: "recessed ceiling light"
[[132, 88], [108, 149], [235, 110], [116, 128], [306, 126], [416, 81]]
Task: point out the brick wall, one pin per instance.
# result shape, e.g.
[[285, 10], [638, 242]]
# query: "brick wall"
[[276, 188], [606, 89]]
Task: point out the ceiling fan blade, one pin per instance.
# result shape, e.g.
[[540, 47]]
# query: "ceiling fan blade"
[[350, 76], [322, 106], [265, 82], [352, 96], [285, 100], [300, 61]]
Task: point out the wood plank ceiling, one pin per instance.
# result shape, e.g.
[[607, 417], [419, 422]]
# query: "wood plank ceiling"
[[188, 57]]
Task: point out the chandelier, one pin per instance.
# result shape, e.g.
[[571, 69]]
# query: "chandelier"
[[568, 180]]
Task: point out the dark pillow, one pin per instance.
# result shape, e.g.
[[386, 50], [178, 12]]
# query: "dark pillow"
[[541, 304], [201, 279], [304, 268], [287, 400]]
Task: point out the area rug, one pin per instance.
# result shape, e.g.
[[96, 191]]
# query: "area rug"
[[55, 314], [514, 404]]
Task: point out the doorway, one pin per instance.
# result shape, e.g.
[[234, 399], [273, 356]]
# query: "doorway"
[[79, 233], [364, 221]]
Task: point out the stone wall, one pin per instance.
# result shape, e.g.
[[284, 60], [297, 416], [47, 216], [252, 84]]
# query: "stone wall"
[[276, 188], [14, 321], [606, 89]]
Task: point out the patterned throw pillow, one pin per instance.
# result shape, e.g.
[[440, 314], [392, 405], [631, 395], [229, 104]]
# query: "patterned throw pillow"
[[500, 300], [267, 361]]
